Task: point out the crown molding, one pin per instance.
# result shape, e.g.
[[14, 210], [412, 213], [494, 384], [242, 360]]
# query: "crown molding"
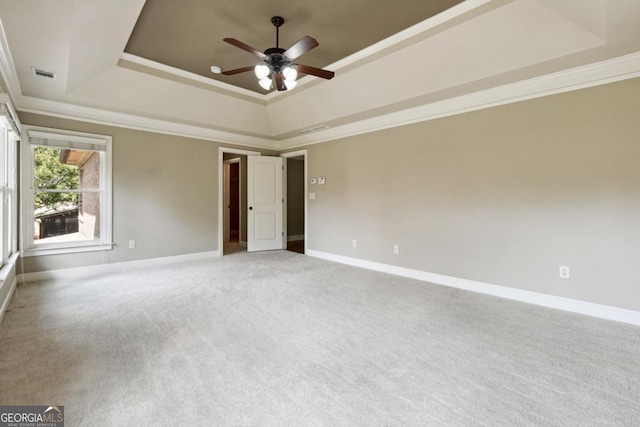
[[147, 66], [8, 68], [9, 114], [64, 110], [413, 31], [599, 73], [177, 74]]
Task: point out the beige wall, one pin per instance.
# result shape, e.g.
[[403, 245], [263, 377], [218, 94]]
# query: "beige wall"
[[503, 195], [165, 196]]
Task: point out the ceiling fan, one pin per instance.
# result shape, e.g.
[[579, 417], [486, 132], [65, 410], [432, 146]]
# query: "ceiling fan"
[[279, 66]]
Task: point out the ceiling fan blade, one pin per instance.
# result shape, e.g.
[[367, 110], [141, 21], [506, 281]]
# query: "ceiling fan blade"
[[245, 47], [238, 71], [279, 81], [318, 72], [301, 47]]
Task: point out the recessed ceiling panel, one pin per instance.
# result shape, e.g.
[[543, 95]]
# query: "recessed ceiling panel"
[[188, 34]]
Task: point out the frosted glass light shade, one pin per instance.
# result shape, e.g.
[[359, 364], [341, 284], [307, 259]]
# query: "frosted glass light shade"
[[290, 74], [265, 83], [261, 71], [290, 84]]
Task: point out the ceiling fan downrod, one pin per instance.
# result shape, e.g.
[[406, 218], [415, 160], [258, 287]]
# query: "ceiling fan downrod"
[[277, 21], [274, 55]]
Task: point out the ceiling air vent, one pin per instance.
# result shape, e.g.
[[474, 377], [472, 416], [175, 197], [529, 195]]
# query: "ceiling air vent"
[[43, 74]]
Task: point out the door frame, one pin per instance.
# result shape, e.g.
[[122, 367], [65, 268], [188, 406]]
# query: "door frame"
[[299, 153], [221, 152]]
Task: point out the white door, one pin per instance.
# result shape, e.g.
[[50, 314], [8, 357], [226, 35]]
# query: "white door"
[[264, 203]]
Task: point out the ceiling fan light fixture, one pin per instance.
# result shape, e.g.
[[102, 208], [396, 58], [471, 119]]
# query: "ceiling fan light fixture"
[[279, 62], [261, 71], [265, 83]]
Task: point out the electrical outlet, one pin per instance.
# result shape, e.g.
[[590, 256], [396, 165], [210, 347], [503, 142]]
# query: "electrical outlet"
[[322, 180], [396, 249], [564, 272], [132, 244], [355, 243]]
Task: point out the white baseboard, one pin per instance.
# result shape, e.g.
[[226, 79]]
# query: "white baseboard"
[[560, 303], [117, 266], [295, 237]]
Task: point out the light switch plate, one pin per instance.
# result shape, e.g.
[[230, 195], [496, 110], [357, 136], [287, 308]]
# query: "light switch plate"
[[321, 180], [313, 180]]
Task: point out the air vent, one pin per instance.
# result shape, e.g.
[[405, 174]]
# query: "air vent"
[[313, 129], [43, 74]]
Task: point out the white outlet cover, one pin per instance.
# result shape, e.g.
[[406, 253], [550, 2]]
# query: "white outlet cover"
[[322, 180], [313, 181], [312, 196]]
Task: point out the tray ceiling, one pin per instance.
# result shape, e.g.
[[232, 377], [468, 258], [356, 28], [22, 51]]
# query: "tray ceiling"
[[188, 35], [474, 54]]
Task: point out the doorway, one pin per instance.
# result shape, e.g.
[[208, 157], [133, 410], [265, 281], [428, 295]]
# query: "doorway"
[[296, 221], [296, 200], [232, 196]]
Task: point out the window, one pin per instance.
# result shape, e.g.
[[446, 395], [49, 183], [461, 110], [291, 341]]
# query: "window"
[[67, 192], [8, 182]]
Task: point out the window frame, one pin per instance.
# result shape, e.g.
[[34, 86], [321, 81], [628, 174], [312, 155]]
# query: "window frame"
[[9, 137], [61, 138]]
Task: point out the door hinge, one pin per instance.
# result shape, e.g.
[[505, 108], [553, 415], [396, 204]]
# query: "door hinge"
[[283, 234], [282, 200]]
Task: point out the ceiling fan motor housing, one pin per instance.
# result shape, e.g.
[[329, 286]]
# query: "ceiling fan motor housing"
[[276, 60]]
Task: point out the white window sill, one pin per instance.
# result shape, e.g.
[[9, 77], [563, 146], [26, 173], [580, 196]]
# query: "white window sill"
[[66, 250]]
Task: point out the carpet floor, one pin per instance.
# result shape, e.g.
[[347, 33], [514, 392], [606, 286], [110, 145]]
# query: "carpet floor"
[[280, 339]]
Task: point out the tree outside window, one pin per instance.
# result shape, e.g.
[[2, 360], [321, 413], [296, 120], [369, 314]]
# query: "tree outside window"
[[66, 199]]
